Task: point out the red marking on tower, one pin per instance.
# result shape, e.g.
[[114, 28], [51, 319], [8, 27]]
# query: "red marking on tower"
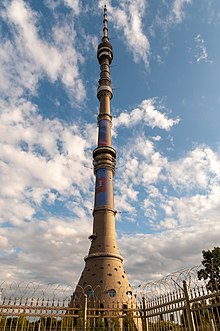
[[101, 185]]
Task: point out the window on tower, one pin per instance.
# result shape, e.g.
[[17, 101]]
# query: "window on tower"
[[129, 294], [112, 293], [90, 293]]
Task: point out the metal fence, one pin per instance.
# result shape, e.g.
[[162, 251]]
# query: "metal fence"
[[177, 302], [181, 302]]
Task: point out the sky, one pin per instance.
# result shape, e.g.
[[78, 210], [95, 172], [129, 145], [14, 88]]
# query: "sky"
[[165, 108]]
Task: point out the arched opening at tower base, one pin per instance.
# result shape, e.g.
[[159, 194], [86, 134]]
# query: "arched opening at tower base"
[[98, 312]]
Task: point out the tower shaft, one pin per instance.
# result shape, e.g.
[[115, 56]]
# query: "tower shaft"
[[103, 276]]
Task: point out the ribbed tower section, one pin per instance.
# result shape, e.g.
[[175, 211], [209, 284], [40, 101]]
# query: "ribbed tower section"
[[103, 276]]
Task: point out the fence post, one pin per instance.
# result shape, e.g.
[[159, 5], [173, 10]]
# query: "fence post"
[[188, 308], [84, 313], [212, 325], [144, 318]]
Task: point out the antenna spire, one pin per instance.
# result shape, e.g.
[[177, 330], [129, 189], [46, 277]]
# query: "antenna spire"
[[105, 56], [105, 25]]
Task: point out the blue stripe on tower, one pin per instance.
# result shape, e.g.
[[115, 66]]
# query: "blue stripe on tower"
[[103, 132], [101, 189]]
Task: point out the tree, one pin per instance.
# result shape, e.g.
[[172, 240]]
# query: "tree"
[[211, 269]]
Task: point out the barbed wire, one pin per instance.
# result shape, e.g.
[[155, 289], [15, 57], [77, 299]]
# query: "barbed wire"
[[152, 289], [171, 283], [35, 290]]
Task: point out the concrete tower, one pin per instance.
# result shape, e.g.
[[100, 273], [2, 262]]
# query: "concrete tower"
[[103, 276]]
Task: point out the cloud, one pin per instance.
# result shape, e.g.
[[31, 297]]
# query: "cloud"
[[182, 206], [201, 50], [142, 167], [47, 183], [213, 14], [64, 243], [197, 208], [125, 199], [168, 15], [185, 191], [161, 253], [190, 210], [73, 4], [41, 159], [143, 163], [38, 156], [198, 169], [27, 57], [169, 193], [177, 12], [147, 113], [44, 167], [58, 257], [128, 17]]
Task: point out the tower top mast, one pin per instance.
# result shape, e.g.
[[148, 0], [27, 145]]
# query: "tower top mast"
[[105, 27], [105, 57]]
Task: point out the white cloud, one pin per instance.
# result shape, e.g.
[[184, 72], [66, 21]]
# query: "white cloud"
[[58, 257], [147, 113], [170, 193], [142, 167], [45, 163], [185, 192], [187, 224], [169, 15], [156, 138], [198, 169], [125, 199], [73, 4], [177, 12], [213, 13], [38, 156], [31, 57], [3, 242], [55, 154], [201, 50], [165, 252], [90, 43], [168, 223], [128, 17], [197, 208]]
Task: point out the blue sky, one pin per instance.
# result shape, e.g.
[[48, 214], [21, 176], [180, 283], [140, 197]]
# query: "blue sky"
[[166, 117]]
